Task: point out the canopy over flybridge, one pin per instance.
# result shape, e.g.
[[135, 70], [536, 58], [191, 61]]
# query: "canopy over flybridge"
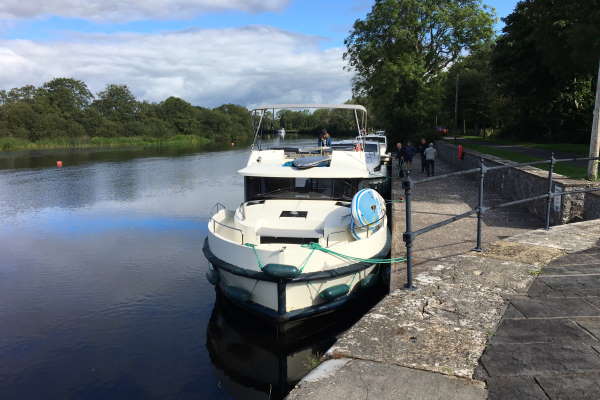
[[305, 106]]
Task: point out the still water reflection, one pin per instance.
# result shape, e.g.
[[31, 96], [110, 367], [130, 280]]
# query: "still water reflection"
[[102, 288]]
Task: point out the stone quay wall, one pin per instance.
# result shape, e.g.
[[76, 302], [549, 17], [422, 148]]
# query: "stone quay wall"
[[522, 182], [592, 206]]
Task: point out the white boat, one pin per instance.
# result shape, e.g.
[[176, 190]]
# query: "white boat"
[[281, 133], [380, 138], [294, 247]]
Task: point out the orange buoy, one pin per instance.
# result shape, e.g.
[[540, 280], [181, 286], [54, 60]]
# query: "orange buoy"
[[59, 164]]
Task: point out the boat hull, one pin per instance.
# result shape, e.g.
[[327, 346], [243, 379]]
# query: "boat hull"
[[283, 300]]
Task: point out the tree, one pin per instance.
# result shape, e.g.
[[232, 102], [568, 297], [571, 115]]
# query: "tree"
[[68, 95], [117, 103], [545, 63], [478, 101], [402, 48]]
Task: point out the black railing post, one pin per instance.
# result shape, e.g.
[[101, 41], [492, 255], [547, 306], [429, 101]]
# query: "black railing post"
[[550, 191], [480, 208], [408, 236]]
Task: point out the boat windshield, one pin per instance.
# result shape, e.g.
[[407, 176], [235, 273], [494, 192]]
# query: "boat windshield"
[[260, 188], [379, 139]]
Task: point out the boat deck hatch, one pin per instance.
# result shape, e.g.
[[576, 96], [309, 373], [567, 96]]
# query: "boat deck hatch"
[[293, 214], [287, 240]]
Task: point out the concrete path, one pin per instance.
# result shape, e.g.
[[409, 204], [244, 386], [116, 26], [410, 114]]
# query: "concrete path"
[[548, 343], [427, 343], [439, 200], [345, 379]]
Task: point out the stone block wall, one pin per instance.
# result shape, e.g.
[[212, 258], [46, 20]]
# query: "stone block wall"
[[522, 182], [592, 206]]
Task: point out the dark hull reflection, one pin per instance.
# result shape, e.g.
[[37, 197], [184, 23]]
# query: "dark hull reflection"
[[256, 360]]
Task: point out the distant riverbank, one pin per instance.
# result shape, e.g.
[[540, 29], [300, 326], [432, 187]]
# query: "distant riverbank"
[[14, 144]]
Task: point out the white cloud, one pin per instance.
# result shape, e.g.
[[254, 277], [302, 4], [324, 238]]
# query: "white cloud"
[[123, 10], [247, 66]]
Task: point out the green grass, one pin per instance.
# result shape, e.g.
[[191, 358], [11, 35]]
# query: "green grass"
[[14, 144], [579, 149], [560, 168]]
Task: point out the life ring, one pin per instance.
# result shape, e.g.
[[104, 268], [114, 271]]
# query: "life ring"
[[368, 210]]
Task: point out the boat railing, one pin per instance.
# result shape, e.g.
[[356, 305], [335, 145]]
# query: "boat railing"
[[334, 233], [223, 225], [218, 207], [366, 227]]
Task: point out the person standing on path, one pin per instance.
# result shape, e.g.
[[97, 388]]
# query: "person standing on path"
[[421, 149], [400, 157], [430, 154], [409, 153]]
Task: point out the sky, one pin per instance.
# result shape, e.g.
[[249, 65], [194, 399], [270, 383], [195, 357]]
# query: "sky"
[[208, 52]]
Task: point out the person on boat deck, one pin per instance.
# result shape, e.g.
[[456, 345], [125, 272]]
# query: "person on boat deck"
[[324, 139]]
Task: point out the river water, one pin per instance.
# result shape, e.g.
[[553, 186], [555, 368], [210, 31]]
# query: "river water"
[[102, 287]]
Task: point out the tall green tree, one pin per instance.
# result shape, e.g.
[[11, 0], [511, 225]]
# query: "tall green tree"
[[479, 102], [401, 50], [69, 95], [117, 103], [545, 63]]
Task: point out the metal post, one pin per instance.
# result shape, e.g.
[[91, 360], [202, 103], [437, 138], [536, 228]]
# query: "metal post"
[[480, 208], [550, 191], [407, 184], [595, 137]]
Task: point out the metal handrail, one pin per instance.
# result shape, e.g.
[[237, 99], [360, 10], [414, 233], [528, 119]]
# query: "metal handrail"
[[333, 233], [371, 223], [219, 206], [408, 184], [358, 226], [498, 167], [227, 226]]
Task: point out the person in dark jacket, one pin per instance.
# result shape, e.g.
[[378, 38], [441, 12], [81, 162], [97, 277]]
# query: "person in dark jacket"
[[409, 154], [324, 139], [421, 149], [400, 157]]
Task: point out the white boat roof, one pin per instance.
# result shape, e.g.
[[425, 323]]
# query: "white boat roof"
[[305, 106], [274, 164]]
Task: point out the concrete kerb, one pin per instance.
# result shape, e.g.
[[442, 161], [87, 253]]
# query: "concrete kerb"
[[440, 331]]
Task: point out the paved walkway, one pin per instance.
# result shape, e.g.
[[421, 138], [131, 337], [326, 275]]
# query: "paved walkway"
[[427, 344], [548, 343], [441, 199]]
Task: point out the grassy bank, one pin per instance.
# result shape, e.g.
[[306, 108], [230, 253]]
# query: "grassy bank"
[[14, 144], [561, 168], [579, 149]]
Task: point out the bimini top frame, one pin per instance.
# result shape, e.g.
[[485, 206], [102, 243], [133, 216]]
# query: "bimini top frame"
[[361, 122]]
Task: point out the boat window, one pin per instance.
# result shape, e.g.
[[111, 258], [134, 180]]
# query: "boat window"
[[371, 148], [257, 188]]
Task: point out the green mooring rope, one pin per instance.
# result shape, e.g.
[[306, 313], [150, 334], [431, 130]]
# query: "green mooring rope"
[[262, 266], [317, 246], [253, 247]]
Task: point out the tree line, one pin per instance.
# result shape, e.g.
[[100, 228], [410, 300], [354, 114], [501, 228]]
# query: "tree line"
[[422, 64], [64, 109]]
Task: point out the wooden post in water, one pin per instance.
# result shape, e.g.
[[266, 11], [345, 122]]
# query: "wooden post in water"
[[595, 139]]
